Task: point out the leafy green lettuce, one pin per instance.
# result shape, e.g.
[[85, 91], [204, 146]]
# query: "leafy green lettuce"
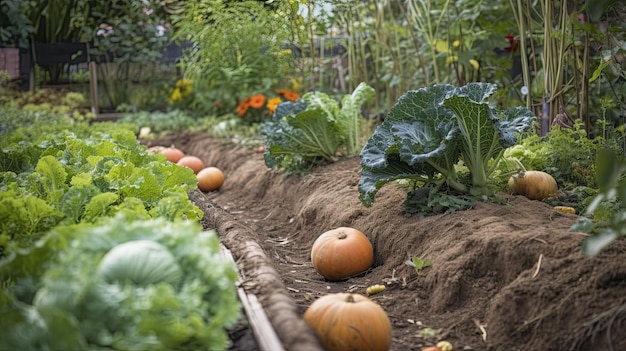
[[429, 133], [68, 180], [58, 301]]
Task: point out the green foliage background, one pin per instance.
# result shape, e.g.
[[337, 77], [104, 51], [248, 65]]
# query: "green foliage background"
[[241, 48]]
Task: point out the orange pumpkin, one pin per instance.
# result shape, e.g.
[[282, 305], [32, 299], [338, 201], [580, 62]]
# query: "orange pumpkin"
[[210, 178], [341, 253], [155, 149], [192, 162], [173, 154], [346, 321], [535, 185]]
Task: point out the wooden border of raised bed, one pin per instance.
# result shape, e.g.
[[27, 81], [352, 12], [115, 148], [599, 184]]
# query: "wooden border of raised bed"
[[261, 284]]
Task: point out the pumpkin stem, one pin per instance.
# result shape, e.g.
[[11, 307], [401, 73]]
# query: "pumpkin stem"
[[350, 299], [342, 235]]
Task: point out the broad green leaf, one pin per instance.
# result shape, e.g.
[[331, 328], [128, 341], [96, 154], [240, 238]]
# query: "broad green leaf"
[[174, 177], [420, 263], [311, 134], [609, 168], [53, 177], [30, 328], [74, 201], [598, 7], [596, 243], [98, 205], [131, 181], [314, 128], [351, 116], [81, 179], [23, 217], [176, 207]]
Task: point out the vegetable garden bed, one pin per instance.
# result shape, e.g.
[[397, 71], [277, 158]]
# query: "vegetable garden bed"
[[274, 319], [504, 275]]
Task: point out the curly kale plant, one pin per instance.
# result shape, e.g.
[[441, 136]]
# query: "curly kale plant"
[[431, 133]]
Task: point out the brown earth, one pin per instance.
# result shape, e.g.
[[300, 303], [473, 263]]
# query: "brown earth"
[[506, 276]]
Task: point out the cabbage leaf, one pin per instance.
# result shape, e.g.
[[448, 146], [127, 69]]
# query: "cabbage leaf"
[[313, 128], [431, 131]]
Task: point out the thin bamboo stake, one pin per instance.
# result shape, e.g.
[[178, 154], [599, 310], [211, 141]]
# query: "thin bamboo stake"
[[518, 13], [547, 59]]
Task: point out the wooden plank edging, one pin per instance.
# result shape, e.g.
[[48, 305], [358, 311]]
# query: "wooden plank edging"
[[263, 331], [259, 277]]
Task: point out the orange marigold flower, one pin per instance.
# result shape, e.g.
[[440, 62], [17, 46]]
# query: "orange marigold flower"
[[243, 107], [257, 101], [273, 103], [288, 94], [241, 110]]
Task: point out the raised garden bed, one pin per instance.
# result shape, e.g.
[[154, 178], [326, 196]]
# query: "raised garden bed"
[[504, 276]]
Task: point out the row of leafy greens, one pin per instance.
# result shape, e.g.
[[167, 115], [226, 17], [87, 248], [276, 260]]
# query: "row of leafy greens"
[[431, 136], [100, 245], [313, 128], [167, 288], [63, 179]]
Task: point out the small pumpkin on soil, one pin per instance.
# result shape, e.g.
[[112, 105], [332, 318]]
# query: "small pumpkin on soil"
[[535, 185], [210, 178], [345, 321], [193, 162], [341, 253], [171, 153]]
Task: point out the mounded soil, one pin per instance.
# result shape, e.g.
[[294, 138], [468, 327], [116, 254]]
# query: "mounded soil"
[[504, 276]]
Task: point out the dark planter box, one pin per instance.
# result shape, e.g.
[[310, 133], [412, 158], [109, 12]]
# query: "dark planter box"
[[74, 53], [60, 53]]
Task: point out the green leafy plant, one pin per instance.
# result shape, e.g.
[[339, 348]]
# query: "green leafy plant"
[[163, 122], [16, 26], [60, 179], [433, 134], [392, 45], [56, 101], [18, 125], [82, 301], [608, 207], [239, 49], [565, 153], [315, 128], [418, 263]]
